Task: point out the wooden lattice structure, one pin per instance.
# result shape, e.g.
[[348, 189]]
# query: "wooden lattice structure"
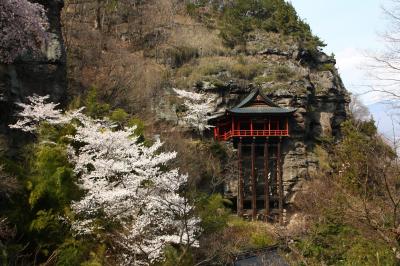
[[257, 127]]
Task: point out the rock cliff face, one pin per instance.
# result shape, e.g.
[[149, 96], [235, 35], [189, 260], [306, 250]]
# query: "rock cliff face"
[[43, 75]]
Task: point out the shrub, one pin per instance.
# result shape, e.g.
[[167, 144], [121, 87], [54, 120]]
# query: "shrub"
[[327, 67], [213, 213], [271, 15], [93, 107], [283, 73], [247, 71], [334, 243], [176, 256], [177, 56], [261, 240], [260, 80], [119, 116]]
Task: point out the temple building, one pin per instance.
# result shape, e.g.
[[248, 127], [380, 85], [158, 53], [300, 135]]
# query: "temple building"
[[257, 127]]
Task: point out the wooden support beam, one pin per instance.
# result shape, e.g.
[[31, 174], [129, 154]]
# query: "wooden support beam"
[[266, 181], [287, 124], [280, 183], [253, 182], [240, 193]]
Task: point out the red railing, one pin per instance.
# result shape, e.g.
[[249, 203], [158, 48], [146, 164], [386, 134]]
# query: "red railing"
[[252, 133]]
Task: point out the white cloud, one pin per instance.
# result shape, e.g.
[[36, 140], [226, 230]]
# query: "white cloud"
[[350, 59], [353, 68]]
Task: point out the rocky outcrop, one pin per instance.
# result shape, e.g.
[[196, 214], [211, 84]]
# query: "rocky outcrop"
[[43, 75], [317, 93]]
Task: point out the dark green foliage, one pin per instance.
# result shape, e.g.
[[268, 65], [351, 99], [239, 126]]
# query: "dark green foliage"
[[271, 15], [51, 187], [355, 156], [213, 213], [93, 107], [332, 242], [176, 256], [81, 252], [119, 116], [219, 151], [139, 131], [327, 67], [51, 182]]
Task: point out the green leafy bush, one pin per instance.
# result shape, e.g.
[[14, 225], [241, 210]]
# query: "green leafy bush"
[[213, 213], [176, 256], [356, 154], [334, 243], [261, 240], [327, 67], [271, 15], [93, 107]]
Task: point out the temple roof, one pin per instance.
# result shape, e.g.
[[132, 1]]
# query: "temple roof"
[[256, 103]]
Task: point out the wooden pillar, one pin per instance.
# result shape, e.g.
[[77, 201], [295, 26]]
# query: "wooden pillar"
[[266, 181], [287, 126], [253, 182], [280, 183], [240, 191], [269, 124], [233, 124], [251, 127]]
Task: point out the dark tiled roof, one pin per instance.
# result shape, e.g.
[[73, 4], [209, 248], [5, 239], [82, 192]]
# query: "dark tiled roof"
[[264, 105], [254, 95], [261, 110]]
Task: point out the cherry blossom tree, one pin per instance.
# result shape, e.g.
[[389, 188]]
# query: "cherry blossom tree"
[[126, 183], [198, 107], [23, 27], [40, 110]]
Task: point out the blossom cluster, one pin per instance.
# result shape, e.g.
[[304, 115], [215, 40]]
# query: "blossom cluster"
[[126, 183], [198, 108]]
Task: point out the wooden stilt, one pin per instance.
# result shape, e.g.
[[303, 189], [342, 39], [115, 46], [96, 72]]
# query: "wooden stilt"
[[266, 181], [253, 182], [240, 181], [280, 183], [287, 126]]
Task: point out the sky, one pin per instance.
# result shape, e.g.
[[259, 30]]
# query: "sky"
[[351, 29]]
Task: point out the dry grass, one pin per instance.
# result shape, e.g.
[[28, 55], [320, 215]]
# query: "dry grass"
[[237, 237], [260, 40], [188, 32], [220, 67]]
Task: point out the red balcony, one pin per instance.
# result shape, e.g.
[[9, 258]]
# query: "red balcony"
[[251, 133]]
